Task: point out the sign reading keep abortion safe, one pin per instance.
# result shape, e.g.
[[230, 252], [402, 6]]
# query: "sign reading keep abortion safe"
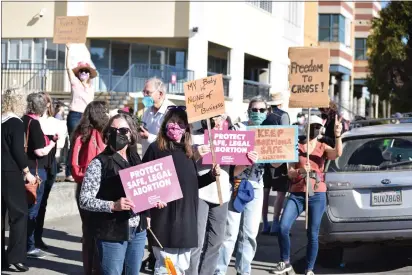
[[309, 77], [151, 182], [231, 147]]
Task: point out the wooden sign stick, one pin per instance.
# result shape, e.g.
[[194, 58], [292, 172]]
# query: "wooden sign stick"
[[307, 173], [212, 149]]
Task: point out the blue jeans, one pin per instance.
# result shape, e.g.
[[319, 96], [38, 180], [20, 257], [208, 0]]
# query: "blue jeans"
[[116, 255], [48, 184], [73, 119], [34, 209], [294, 207], [244, 228]]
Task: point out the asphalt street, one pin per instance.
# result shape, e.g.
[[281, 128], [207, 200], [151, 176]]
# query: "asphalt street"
[[64, 254]]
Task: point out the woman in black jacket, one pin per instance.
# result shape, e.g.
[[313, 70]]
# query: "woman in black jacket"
[[176, 225], [120, 234], [14, 173]]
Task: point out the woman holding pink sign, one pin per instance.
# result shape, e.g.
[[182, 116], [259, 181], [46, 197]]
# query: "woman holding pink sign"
[[176, 225], [211, 215], [120, 233]]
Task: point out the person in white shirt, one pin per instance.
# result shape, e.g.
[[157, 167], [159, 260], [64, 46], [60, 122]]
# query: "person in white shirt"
[[156, 104], [212, 216]]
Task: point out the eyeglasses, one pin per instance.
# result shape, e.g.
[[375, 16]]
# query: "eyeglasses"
[[172, 108], [261, 110], [122, 130]]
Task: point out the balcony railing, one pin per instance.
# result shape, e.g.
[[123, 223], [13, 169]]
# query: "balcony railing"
[[226, 80], [34, 76], [252, 89]]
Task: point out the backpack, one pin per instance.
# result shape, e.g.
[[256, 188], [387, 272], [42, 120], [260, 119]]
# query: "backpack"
[[84, 153]]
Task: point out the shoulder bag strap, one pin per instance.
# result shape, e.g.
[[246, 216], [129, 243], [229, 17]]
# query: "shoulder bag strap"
[[26, 142]]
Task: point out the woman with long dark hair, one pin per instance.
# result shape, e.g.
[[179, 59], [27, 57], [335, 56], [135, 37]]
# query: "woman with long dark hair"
[[87, 143], [319, 153], [176, 225], [120, 233]]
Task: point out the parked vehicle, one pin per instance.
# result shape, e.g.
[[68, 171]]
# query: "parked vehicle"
[[369, 190]]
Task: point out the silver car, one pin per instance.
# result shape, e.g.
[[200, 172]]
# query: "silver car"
[[369, 190]]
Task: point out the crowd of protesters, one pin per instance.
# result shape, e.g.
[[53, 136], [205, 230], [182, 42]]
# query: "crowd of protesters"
[[201, 234]]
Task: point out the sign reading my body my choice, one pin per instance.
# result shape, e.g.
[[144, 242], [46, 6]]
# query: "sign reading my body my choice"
[[231, 147], [151, 182], [308, 77], [276, 144], [204, 98]]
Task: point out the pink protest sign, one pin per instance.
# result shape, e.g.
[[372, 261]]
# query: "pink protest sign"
[[231, 147], [148, 183]]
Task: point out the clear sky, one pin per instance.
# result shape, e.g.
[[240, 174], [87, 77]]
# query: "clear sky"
[[384, 3]]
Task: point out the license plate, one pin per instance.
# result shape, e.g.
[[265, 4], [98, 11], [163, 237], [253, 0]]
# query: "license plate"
[[387, 198]]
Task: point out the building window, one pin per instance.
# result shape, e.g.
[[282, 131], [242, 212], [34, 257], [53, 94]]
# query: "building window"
[[177, 58], [264, 5], [292, 13], [217, 65], [332, 28], [37, 53], [360, 49]]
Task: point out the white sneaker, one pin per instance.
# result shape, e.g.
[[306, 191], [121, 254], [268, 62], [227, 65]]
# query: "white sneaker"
[[309, 273]]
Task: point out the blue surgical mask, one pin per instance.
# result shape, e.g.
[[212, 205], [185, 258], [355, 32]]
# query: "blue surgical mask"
[[148, 101], [257, 118]]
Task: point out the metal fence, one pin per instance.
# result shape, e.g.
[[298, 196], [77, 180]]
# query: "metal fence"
[[34, 76]]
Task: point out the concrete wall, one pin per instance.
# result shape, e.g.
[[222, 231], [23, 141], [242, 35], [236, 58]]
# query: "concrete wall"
[[137, 19], [311, 24], [21, 20]]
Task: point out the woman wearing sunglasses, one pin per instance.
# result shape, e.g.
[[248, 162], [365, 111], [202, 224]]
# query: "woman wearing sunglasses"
[[176, 225], [319, 152], [120, 233], [82, 94], [245, 222]]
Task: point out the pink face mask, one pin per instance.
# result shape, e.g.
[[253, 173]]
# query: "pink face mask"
[[175, 132], [84, 76]]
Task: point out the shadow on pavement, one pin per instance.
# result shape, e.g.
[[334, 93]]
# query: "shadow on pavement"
[[60, 235], [63, 268]]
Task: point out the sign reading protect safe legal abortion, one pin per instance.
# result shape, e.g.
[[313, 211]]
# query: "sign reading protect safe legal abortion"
[[276, 144], [204, 98], [70, 29], [231, 147], [151, 182], [308, 77]]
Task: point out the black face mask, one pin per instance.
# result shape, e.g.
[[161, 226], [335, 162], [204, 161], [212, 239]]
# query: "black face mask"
[[118, 141], [313, 132], [324, 116]]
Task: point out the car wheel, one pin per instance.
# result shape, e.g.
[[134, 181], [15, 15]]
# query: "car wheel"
[[330, 257]]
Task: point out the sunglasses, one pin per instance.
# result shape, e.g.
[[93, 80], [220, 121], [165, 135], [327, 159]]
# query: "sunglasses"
[[172, 108], [84, 71], [261, 110], [122, 130]]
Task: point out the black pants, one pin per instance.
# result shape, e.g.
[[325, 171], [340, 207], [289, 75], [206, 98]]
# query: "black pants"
[[91, 264], [14, 200], [48, 184]]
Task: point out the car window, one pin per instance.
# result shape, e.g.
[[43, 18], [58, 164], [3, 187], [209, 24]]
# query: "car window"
[[373, 154]]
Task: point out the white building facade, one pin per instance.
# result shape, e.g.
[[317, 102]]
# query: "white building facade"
[[247, 42]]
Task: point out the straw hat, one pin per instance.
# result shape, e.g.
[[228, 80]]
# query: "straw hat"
[[87, 66], [277, 99]]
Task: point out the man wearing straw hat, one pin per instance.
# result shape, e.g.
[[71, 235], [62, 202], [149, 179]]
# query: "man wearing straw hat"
[[275, 178]]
